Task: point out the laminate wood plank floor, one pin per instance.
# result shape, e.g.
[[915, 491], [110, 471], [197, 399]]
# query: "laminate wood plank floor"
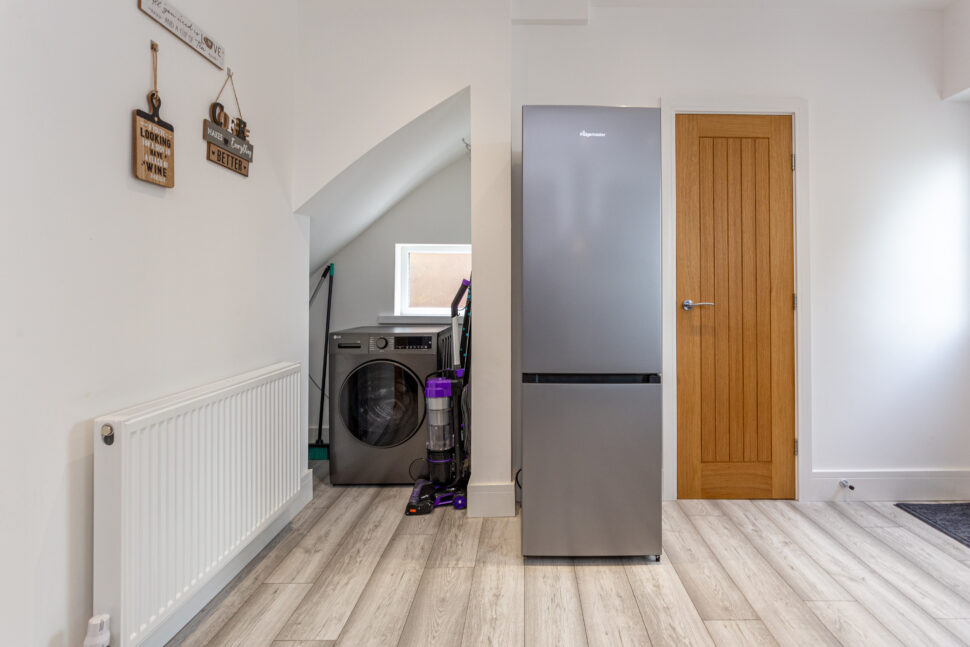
[[380, 613], [959, 627], [351, 569], [785, 614], [609, 606], [711, 589], [668, 613], [553, 611], [496, 602], [852, 624], [944, 542], [740, 633], [928, 592], [897, 612], [797, 567]]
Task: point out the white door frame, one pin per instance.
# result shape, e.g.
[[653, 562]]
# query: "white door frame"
[[799, 109]]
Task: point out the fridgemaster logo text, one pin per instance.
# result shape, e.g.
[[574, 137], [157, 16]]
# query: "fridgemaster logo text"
[[584, 133]]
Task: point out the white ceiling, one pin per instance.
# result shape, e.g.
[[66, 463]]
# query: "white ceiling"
[[777, 4], [366, 189]]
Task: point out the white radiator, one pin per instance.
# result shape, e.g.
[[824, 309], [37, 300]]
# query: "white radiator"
[[186, 489]]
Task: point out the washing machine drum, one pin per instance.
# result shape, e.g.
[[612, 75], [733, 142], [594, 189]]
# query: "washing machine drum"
[[381, 403]]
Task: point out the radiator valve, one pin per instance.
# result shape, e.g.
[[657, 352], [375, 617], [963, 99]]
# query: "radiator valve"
[[99, 634], [845, 485]]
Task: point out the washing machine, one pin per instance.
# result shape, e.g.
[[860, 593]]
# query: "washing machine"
[[377, 418]]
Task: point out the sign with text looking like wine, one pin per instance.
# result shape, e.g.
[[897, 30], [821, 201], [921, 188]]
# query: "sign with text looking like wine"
[[153, 139]]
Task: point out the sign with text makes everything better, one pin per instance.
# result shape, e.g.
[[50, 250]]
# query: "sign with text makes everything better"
[[226, 149]]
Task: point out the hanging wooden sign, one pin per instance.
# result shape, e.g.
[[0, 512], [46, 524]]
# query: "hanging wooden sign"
[[154, 149], [153, 140], [191, 34], [221, 156], [228, 148]]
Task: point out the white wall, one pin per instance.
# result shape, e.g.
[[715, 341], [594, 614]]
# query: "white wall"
[[890, 238], [956, 51], [437, 211], [115, 291], [350, 202], [367, 69], [550, 12]]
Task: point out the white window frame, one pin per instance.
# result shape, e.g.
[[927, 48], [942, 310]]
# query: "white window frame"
[[402, 252]]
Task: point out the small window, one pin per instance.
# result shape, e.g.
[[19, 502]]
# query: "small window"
[[427, 277]]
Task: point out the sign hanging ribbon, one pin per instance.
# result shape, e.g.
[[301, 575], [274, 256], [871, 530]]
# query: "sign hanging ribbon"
[[153, 140]]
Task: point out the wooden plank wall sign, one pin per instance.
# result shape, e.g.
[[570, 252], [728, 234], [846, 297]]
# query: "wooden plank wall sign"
[[153, 140], [190, 33]]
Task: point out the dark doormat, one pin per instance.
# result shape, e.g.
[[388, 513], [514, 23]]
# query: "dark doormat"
[[950, 518]]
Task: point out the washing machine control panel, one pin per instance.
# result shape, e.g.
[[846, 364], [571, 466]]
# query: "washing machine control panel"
[[401, 342], [415, 342]]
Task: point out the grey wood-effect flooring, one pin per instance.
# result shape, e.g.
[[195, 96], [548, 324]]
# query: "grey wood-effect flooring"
[[352, 570]]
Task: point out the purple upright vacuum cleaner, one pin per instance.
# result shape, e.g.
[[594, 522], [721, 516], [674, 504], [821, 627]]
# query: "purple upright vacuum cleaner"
[[448, 404]]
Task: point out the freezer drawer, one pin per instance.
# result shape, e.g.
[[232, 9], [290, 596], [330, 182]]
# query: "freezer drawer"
[[591, 461]]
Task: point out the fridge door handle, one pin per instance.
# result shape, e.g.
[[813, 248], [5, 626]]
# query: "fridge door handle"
[[689, 305]]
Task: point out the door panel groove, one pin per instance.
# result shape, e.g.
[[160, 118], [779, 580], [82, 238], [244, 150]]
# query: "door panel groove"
[[706, 375], [764, 299]]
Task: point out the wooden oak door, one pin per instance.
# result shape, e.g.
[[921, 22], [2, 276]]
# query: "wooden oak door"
[[735, 358]]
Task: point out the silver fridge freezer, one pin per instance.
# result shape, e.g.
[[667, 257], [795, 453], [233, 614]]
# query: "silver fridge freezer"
[[591, 331]]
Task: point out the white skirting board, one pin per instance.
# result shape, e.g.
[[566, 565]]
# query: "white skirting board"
[[888, 485], [167, 630], [491, 499]]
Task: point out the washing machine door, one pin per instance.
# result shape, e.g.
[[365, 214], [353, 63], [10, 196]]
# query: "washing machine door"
[[382, 403]]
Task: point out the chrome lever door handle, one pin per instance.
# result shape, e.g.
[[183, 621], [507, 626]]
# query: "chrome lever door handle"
[[690, 305]]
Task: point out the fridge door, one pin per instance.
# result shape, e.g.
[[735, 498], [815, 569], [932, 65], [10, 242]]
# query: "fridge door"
[[591, 469], [590, 240]]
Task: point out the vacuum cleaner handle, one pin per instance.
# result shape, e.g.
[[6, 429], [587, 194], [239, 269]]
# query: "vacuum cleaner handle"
[[455, 328], [461, 292]]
